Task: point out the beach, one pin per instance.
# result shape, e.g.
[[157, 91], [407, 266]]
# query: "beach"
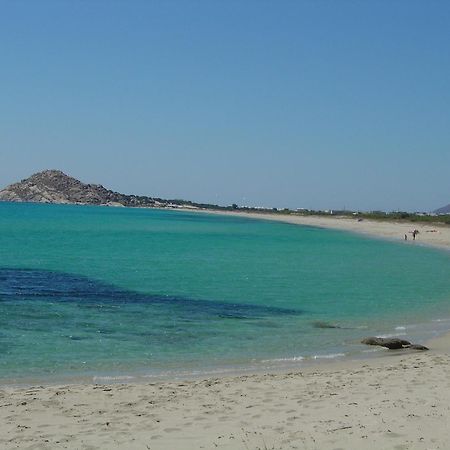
[[399, 400], [225, 225], [434, 235]]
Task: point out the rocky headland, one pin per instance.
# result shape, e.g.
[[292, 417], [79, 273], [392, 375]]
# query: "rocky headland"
[[54, 186]]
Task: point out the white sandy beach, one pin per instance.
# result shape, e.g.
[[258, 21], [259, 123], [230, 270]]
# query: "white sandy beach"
[[400, 401], [396, 402], [435, 235]]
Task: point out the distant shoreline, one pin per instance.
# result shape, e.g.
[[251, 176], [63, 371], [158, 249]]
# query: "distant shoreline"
[[433, 235]]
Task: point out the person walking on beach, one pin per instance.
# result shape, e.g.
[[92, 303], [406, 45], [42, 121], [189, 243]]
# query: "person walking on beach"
[[406, 237]]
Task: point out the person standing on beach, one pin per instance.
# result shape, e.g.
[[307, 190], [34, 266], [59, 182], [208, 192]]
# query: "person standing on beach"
[[406, 237]]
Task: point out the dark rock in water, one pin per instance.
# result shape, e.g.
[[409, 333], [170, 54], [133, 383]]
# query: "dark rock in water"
[[390, 343], [320, 324], [417, 347]]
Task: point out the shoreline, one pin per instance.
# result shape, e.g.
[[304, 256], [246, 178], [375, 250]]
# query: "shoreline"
[[398, 401], [386, 230], [435, 235], [276, 366], [391, 399], [430, 235]]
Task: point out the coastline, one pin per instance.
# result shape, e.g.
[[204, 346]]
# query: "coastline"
[[396, 400], [399, 401], [432, 235]]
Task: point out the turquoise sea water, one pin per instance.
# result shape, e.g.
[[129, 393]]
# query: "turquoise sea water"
[[115, 292]]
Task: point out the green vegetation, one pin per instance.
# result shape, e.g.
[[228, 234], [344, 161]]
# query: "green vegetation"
[[398, 216]]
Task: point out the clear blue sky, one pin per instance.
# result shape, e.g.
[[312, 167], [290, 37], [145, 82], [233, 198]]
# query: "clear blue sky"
[[317, 104]]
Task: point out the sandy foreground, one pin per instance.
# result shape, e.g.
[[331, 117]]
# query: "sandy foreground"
[[398, 401]]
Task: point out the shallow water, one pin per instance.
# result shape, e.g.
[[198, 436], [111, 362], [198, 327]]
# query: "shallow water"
[[96, 291]]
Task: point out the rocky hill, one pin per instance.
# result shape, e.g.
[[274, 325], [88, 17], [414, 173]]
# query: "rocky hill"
[[443, 210], [54, 186]]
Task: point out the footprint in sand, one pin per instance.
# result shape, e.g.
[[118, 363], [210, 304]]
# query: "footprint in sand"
[[156, 436]]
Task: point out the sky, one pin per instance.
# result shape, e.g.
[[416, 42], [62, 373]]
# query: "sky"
[[299, 104]]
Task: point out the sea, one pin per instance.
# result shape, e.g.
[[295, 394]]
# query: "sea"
[[109, 294]]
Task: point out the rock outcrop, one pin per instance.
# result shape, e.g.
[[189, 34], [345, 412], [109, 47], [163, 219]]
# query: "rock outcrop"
[[392, 343], [54, 186]]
